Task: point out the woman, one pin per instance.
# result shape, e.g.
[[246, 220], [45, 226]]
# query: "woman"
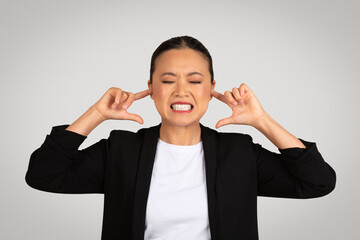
[[179, 179]]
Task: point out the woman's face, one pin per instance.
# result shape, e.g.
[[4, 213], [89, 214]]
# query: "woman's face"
[[181, 86]]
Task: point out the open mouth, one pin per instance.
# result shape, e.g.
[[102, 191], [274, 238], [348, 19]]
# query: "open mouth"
[[182, 107]]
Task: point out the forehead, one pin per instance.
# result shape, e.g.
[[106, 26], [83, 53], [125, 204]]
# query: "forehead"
[[181, 59]]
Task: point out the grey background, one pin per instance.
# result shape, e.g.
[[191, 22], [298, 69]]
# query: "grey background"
[[301, 59]]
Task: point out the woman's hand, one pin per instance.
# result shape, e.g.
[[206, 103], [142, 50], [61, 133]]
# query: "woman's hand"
[[115, 102], [246, 108]]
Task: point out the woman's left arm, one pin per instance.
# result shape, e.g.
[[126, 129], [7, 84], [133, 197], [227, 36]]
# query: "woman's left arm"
[[247, 110], [299, 171], [281, 138]]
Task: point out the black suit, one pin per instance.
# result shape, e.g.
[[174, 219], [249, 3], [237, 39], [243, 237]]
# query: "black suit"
[[237, 171]]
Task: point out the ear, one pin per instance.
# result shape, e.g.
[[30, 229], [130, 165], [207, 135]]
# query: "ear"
[[212, 88], [150, 87]]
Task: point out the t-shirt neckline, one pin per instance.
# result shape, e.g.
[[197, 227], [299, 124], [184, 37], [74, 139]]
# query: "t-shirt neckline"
[[180, 147]]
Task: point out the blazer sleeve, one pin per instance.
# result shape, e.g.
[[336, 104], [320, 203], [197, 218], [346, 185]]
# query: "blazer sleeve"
[[294, 172], [58, 166]]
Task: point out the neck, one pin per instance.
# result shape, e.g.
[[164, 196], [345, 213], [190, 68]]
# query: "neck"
[[180, 135]]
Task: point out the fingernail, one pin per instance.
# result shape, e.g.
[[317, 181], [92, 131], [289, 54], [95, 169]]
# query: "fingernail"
[[235, 103], [124, 106]]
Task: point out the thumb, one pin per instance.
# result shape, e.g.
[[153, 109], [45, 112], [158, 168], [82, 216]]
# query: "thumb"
[[134, 117], [224, 122]]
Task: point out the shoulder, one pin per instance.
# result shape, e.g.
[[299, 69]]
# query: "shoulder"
[[139, 134]]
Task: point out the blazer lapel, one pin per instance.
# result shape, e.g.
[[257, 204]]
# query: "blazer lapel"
[[143, 179], [209, 140]]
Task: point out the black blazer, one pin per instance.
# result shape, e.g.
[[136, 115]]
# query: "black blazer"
[[237, 171]]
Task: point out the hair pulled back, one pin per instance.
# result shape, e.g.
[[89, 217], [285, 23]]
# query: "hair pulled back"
[[180, 43]]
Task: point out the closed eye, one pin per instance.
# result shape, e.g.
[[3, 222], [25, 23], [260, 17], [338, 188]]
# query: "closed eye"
[[195, 82], [167, 82]]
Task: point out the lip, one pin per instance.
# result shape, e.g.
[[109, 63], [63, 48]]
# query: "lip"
[[179, 102]]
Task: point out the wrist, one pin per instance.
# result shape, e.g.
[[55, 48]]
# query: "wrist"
[[96, 114], [86, 122], [262, 122]]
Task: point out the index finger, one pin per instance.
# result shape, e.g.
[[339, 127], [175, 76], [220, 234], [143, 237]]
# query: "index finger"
[[218, 95], [142, 94]]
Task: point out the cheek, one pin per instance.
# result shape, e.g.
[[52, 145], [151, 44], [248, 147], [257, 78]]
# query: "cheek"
[[159, 95], [205, 94], [156, 91]]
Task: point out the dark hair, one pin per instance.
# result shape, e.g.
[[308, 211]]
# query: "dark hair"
[[179, 43]]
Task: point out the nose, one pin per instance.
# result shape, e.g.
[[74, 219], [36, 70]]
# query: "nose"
[[181, 89]]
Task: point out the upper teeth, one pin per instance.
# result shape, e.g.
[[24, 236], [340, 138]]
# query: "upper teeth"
[[181, 107]]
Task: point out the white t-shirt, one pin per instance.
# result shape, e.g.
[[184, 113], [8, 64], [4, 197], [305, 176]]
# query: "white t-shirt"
[[177, 203]]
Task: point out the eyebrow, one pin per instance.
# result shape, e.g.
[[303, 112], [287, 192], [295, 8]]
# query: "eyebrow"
[[173, 74]]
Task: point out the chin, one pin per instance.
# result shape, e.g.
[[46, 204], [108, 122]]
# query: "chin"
[[180, 122]]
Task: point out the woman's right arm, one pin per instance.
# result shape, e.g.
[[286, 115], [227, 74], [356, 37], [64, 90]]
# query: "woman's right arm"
[[112, 105], [58, 166], [87, 122]]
